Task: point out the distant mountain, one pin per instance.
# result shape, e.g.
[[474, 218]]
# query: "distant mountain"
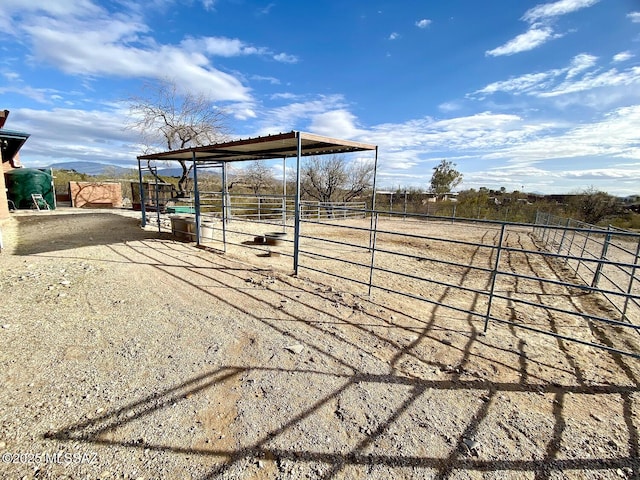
[[91, 168]]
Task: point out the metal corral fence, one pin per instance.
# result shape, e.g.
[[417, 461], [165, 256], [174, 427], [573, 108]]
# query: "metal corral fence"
[[271, 207], [487, 270], [603, 258], [247, 209]]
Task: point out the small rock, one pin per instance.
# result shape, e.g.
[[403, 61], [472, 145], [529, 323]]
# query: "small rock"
[[296, 348], [3, 444], [472, 445], [65, 282], [596, 417]]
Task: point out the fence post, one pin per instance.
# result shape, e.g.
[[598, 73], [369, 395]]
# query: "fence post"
[[555, 231], [631, 278], [545, 232], [573, 236], [494, 274], [564, 234], [603, 256], [373, 252]]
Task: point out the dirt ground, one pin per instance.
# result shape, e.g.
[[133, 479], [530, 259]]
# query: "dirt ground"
[[126, 354]]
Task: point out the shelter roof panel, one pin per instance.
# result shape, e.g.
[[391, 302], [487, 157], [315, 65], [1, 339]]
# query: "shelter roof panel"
[[283, 145]]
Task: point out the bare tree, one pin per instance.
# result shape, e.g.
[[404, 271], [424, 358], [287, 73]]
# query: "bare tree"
[[329, 179], [257, 176], [166, 118]]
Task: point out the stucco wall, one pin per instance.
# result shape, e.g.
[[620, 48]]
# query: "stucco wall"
[[4, 205], [95, 194]]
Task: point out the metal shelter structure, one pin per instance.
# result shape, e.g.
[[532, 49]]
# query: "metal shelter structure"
[[294, 144]]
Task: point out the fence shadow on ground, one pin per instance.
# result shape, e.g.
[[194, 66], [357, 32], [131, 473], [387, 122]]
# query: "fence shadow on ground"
[[367, 451]]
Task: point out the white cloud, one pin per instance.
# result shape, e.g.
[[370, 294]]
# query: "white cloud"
[[11, 76], [555, 9], [424, 23], [72, 134], [533, 38], [285, 58], [298, 114], [394, 36], [261, 78], [540, 32], [634, 17], [71, 8], [285, 96], [581, 63], [614, 136], [528, 83], [623, 56], [220, 46], [83, 39], [610, 78], [105, 50], [449, 106], [581, 75], [335, 123], [209, 4]]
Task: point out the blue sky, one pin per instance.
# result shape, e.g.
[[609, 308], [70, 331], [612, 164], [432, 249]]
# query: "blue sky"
[[520, 94]]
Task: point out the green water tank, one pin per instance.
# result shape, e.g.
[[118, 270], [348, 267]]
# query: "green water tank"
[[23, 182]]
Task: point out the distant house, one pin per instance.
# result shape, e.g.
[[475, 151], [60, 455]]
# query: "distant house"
[[10, 144]]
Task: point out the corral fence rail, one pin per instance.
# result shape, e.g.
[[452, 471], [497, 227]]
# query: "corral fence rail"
[[269, 207], [604, 258], [273, 211], [515, 282]]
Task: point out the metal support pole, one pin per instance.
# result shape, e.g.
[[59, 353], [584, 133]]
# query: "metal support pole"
[[143, 221], [296, 230], [631, 279], [373, 253], [494, 274], [284, 194], [157, 198], [196, 194], [405, 204], [603, 256], [224, 207], [373, 196]]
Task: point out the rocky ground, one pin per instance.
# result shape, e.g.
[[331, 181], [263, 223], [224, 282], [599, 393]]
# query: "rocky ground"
[[125, 354]]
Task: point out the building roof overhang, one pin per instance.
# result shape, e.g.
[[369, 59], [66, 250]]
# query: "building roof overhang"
[[10, 143]]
